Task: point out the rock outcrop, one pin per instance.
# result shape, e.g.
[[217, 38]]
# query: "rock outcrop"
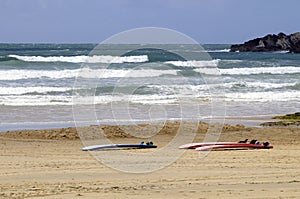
[[285, 120], [271, 42]]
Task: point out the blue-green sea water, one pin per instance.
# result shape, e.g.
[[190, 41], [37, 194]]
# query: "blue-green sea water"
[[37, 83]]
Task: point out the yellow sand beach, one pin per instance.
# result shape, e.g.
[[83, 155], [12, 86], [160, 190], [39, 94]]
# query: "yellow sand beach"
[[50, 164]]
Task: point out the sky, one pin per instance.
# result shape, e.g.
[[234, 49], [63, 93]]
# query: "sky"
[[92, 21]]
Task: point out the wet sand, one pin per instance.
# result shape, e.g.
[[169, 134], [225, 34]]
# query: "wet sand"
[[50, 164]]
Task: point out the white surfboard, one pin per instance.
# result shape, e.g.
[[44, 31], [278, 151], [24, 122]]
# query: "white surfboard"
[[112, 146]]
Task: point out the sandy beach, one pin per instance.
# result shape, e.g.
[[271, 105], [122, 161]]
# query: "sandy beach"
[[50, 164]]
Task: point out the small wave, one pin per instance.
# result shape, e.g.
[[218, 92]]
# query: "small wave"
[[264, 85], [84, 73], [239, 85], [229, 61], [146, 90], [263, 96], [43, 100], [195, 63], [261, 70], [281, 52], [83, 59], [7, 58], [208, 71], [36, 100], [127, 73], [226, 50], [296, 86], [180, 89], [37, 74], [31, 90]]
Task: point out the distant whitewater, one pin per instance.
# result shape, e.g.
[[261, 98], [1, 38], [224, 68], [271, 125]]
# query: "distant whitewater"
[[37, 80], [83, 59]]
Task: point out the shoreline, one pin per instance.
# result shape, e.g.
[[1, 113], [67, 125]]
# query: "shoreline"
[[249, 121]]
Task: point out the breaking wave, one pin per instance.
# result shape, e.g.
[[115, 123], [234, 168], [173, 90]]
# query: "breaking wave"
[[195, 63], [84, 73], [83, 59], [261, 70]]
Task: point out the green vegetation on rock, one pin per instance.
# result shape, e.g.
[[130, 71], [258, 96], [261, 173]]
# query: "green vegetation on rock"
[[295, 116], [286, 120]]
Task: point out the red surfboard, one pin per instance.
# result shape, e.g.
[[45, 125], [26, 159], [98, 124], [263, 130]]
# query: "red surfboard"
[[199, 144], [233, 146]]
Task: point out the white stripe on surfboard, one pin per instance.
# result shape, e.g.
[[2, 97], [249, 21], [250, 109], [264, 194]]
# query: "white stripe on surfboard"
[[199, 144], [110, 146], [232, 146], [93, 147]]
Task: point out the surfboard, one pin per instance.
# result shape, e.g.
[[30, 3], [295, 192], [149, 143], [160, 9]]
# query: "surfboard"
[[199, 144], [233, 146], [111, 146]]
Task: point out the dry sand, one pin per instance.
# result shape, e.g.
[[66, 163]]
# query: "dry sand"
[[50, 164]]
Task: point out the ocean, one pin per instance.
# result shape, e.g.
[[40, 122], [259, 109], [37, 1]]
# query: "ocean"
[[50, 85]]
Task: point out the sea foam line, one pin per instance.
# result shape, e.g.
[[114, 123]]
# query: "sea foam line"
[[31, 90], [195, 63], [84, 59], [226, 50], [261, 70], [164, 89], [42, 100], [263, 96], [81, 73], [15, 74]]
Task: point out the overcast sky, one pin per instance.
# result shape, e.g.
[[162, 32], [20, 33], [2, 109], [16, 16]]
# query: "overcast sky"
[[92, 21]]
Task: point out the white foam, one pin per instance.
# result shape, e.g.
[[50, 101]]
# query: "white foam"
[[192, 89], [145, 99], [208, 71], [265, 85], [30, 74], [261, 70], [43, 100], [201, 97], [85, 73], [264, 96], [142, 99], [181, 89], [195, 63], [226, 50], [137, 99], [35, 100], [24, 90], [232, 60], [281, 52], [249, 71], [84, 59]]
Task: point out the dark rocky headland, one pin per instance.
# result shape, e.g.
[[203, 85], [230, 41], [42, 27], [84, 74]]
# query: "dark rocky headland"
[[271, 42]]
